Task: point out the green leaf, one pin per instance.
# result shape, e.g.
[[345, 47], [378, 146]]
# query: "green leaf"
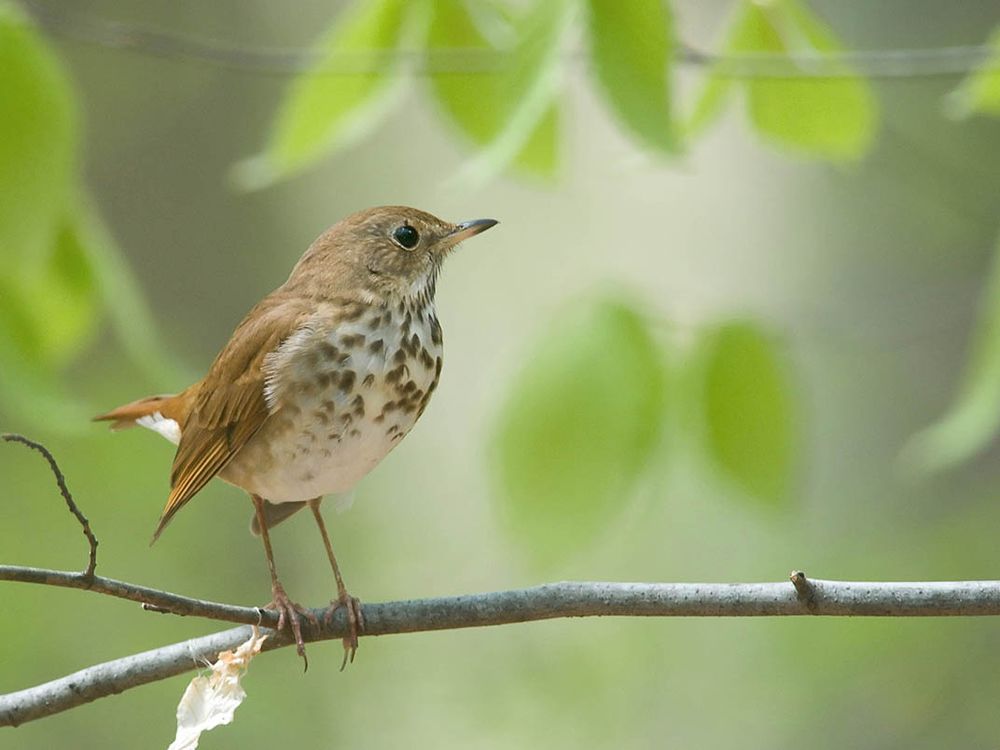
[[122, 298], [980, 91], [578, 427], [64, 300], [352, 86], [748, 411], [37, 142], [631, 46], [832, 116], [974, 417], [507, 106]]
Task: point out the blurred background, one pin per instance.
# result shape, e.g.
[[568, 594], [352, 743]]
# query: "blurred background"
[[738, 318]]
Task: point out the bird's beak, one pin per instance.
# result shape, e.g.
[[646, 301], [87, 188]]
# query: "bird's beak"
[[469, 229]]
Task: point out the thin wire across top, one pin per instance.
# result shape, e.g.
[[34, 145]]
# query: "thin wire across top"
[[158, 42]]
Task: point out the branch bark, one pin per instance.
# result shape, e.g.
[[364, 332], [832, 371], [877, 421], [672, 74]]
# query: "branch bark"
[[555, 600], [800, 596]]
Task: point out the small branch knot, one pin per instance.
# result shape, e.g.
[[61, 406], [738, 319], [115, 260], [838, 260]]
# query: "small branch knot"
[[804, 589]]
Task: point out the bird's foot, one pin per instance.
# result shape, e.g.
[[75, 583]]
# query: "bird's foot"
[[355, 623], [290, 614]]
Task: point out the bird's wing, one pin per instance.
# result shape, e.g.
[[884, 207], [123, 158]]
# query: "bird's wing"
[[231, 403]]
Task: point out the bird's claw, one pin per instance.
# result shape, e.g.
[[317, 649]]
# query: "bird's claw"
[[290, 614], [355, 624]]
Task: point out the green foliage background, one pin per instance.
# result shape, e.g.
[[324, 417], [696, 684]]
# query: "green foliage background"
[[729, 325]]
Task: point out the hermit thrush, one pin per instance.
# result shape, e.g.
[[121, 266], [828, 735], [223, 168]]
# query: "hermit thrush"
[[317, 384]]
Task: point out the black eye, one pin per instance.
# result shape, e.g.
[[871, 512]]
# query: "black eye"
[[406, 236]]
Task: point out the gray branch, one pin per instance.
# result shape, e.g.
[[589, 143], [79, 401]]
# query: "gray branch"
[[800, 597]]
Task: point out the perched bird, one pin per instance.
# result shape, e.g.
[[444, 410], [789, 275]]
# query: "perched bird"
[[317, 384]]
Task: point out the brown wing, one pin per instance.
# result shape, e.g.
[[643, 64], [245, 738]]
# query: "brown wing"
[[230, 406]]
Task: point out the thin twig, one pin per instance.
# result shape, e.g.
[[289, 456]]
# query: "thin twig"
[[161, 600], [11, 437], [833, 598]]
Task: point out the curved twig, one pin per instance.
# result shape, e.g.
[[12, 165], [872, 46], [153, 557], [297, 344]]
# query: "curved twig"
[[10, 437]]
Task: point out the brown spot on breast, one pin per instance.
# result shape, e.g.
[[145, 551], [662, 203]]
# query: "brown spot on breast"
[[358, 406], [303, 388], [347, 379], [437, 368], [350, 311], [435, 331], [376, 346], [347, 419], [369, 379], [396, 374], [352, 340], [426, 359], [399, 357], [327, 350], [354, 433], [324, 379]]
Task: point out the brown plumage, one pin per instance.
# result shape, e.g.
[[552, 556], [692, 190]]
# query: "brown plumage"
[[309, 393]]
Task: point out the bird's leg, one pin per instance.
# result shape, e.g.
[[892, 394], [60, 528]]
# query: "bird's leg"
[[355, 618], [288, 611]]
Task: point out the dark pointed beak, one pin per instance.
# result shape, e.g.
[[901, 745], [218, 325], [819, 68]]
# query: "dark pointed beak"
[[470, 229]]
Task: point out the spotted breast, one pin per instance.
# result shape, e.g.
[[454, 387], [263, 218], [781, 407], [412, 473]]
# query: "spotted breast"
[[342, 390]]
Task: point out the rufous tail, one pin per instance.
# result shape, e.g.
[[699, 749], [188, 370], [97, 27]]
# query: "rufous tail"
[[170, 406]]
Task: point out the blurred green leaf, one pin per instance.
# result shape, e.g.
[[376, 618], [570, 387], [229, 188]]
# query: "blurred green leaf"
[[980, 91], [351, 87], [123, 300], [748, 411], [37, 141], [833, 116], [974, 417], [485, 103], [63, 299], [49, 314], [579, 426], [631, 45]]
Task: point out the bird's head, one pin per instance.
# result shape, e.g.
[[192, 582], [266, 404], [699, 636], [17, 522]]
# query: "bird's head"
[[383, 254]]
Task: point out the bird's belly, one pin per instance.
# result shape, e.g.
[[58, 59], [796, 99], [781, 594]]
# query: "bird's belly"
[[337, 420], [312, 461]]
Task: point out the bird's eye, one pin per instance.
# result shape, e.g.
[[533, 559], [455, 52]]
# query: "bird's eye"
[[406, 236]]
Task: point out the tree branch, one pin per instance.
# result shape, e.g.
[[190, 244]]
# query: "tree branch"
[[800, 597], [555, 600]]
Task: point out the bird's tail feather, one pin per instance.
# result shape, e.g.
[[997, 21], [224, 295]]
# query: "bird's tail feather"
[[125, 416]]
